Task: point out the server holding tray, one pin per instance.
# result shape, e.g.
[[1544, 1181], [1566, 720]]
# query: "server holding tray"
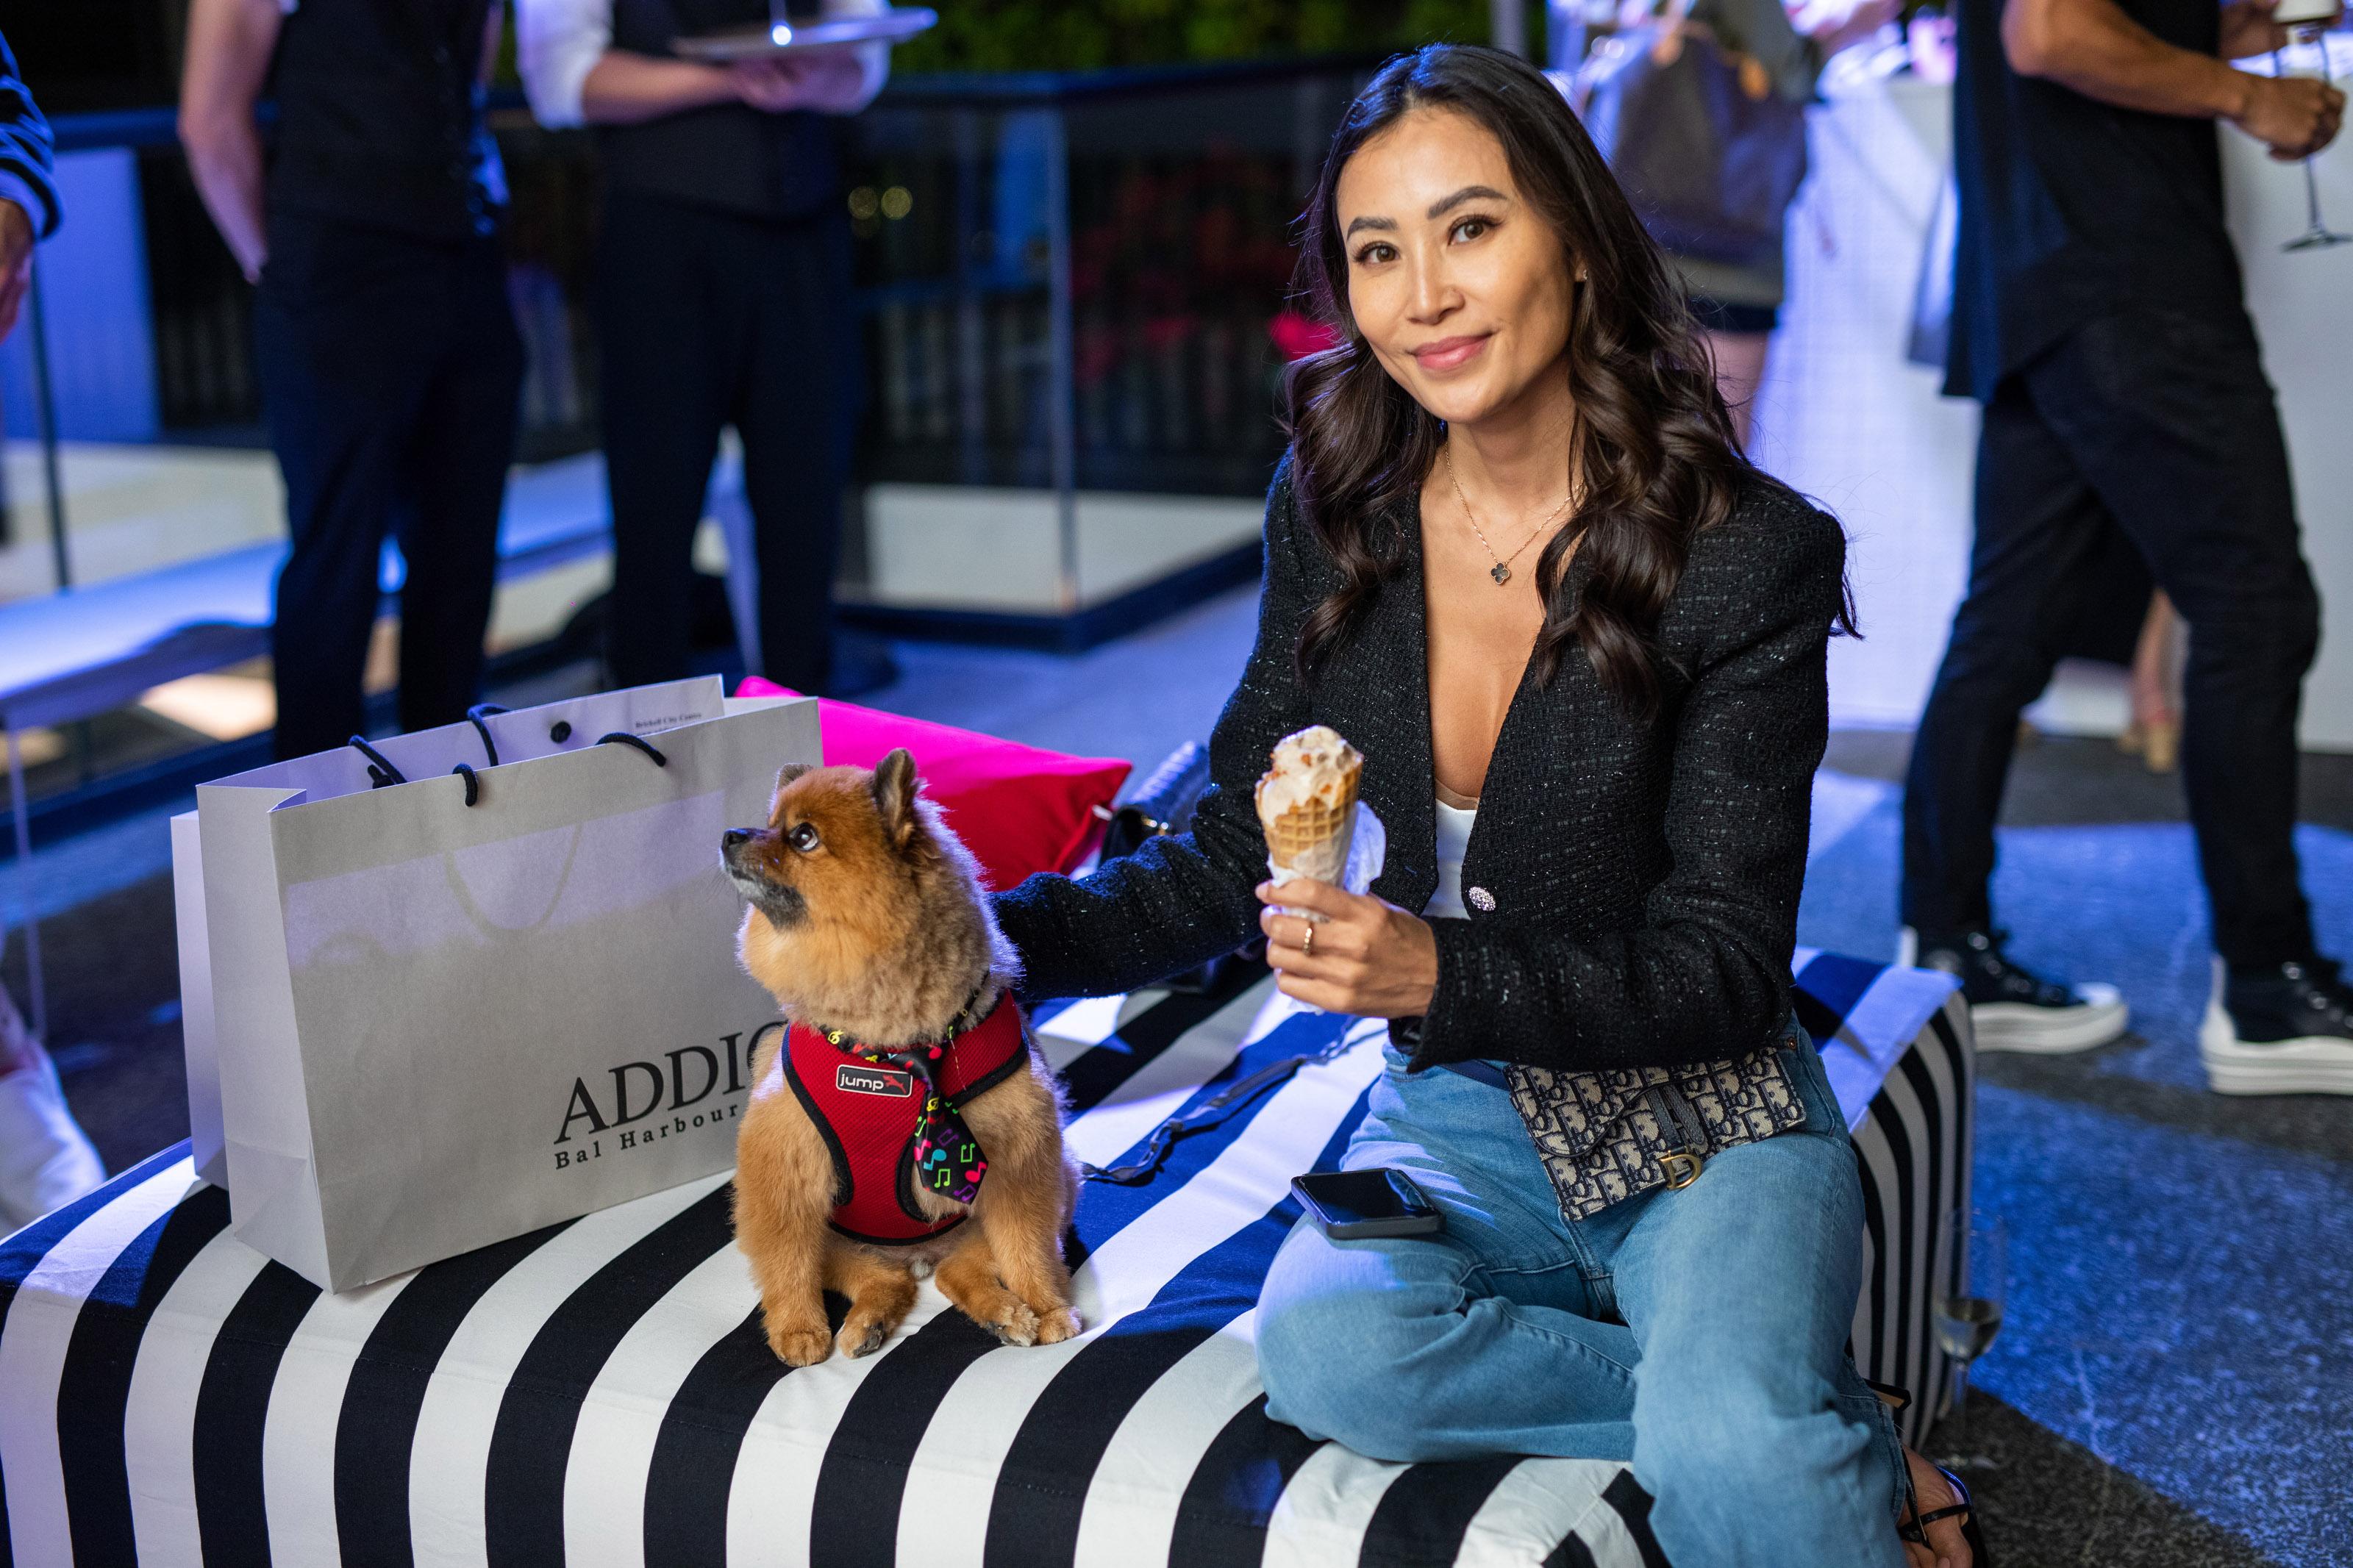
[[785, 30], [723, 292]]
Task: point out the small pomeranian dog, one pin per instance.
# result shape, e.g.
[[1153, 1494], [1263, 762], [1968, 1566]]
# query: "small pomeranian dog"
[[905, 1122]]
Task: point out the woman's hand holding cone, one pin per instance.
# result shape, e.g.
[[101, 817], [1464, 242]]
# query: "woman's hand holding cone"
[[1368, 956]]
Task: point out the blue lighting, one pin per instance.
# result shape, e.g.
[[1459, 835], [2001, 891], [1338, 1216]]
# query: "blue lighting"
[[781, 35]]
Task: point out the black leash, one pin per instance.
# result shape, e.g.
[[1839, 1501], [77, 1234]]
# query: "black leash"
[[1212, 1112]]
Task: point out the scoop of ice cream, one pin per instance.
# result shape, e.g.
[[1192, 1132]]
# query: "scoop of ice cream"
[[1313, 766]]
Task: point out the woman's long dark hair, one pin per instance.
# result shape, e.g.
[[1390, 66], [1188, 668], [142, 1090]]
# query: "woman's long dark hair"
[[1657, 452]]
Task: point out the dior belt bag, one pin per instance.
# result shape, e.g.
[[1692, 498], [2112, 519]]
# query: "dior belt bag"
[[1605, 1136]]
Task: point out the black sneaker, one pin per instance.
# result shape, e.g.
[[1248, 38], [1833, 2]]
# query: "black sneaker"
[[2012, 1009], [2287, 1030]]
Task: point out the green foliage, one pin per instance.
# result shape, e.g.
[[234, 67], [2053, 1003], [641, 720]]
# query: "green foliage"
[[1084, 35]]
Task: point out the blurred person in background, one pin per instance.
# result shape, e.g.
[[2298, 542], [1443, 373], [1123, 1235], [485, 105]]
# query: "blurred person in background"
[[2098, 315], [28, 196], [724, 298], [389, 361], [1739, 303], [2154, 733], [46, 1160]]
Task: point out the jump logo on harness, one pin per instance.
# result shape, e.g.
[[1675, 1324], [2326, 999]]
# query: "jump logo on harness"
[[860, 1078]]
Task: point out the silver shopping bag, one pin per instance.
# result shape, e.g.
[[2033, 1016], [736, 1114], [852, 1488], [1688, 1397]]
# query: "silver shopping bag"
[[438, 1024]]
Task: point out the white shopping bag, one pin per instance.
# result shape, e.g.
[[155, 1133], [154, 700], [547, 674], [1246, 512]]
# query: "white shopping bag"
[[197, 1001], [437, 1025]]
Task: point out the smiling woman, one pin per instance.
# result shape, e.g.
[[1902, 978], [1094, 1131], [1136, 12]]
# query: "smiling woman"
[[1502, 285], [1594, 772]]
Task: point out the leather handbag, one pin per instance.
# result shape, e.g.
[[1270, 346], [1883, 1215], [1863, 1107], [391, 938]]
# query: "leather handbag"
[[1710, 155]]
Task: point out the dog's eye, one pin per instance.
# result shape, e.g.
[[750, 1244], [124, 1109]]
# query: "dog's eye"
[[802, 837]]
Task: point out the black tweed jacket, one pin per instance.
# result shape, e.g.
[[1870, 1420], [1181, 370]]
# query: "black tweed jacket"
[[1639, 881]]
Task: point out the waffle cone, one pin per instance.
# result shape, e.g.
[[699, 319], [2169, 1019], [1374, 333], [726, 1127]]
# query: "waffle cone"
[[1311, 838]]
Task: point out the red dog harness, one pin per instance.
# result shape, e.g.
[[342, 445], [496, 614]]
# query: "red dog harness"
[[874, 1105]]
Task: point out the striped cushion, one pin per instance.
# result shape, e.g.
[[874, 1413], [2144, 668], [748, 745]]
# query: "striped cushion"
[[599, 1393]]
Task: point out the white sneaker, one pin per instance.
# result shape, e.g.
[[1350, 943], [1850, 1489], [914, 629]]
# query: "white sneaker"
[[46, 1159], [2289, 1032], [2010, 1008]]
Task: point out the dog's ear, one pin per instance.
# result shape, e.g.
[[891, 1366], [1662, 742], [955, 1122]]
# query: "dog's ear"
[[894, 795], [786, 776]]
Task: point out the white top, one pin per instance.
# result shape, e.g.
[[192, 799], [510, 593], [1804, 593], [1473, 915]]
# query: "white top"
[[1453, 839], [558, 42]]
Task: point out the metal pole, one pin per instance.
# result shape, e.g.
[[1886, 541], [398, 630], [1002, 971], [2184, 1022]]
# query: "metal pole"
[[1062, 411], [21, 807], [1507, 26], [46, 410], [972, 366], [1564, 40], [7, 509]]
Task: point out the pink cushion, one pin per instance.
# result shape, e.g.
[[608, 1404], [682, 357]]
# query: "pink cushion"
[[1017, 808]]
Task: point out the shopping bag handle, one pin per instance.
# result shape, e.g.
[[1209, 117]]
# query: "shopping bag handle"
[[383, 772], [561, 733], [474, 716], [623, 738]]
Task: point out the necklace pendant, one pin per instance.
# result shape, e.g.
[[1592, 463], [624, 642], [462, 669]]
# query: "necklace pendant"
[[1501, 574]]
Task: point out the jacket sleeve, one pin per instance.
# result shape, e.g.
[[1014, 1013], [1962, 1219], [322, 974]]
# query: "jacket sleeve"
[[26, 161], [1706, 974], [1180, 900]]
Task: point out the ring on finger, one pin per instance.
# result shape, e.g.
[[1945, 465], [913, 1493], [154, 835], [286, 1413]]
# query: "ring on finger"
[[1307, 942]]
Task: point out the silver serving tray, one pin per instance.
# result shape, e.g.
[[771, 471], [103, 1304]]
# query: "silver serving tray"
[[893, 26]]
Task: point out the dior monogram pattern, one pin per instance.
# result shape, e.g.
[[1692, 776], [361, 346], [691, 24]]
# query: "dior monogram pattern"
[[1602, 1135]]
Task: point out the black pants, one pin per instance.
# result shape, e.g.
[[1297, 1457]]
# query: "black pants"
[[708, 320], [389, 370], [2163, 426]]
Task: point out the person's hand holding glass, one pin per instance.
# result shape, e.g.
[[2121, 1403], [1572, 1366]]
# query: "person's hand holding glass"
[[2307, 21]]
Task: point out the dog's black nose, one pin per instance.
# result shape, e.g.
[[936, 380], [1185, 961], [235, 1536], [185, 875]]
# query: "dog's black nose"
[[734, 837]]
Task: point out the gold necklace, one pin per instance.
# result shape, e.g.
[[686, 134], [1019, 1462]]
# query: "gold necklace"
[[1502, 571]]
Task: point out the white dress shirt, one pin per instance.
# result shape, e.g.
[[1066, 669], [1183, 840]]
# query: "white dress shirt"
[[558, 42]]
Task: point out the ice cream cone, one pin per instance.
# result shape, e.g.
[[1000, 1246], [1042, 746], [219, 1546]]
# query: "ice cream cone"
[[1307, 803]]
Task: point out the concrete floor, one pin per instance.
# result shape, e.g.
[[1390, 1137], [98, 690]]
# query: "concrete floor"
[[2174, 1384]]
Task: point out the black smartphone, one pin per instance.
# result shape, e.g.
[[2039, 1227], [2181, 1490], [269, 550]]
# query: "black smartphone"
[[1349, 1205]]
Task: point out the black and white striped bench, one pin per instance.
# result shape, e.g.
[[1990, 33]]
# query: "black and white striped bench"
[[599, 1393]]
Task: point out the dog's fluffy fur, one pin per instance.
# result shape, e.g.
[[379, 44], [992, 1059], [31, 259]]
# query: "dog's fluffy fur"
[[867, 916]]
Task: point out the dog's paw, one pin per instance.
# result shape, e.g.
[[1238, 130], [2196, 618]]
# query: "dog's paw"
[[1019, 1326], [862, 1337], [800, 1344], [1056, 1326]]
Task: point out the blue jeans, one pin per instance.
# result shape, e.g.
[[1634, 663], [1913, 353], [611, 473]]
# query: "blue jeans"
[[1698, 1334]]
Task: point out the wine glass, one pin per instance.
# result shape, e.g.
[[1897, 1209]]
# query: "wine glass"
[[1966, 1313], [2307, 23]]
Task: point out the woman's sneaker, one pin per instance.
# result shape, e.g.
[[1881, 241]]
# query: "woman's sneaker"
[[2287, 1030], [2012, 1009]]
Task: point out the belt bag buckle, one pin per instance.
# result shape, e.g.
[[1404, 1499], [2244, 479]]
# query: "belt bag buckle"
[[1682, 1167]]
